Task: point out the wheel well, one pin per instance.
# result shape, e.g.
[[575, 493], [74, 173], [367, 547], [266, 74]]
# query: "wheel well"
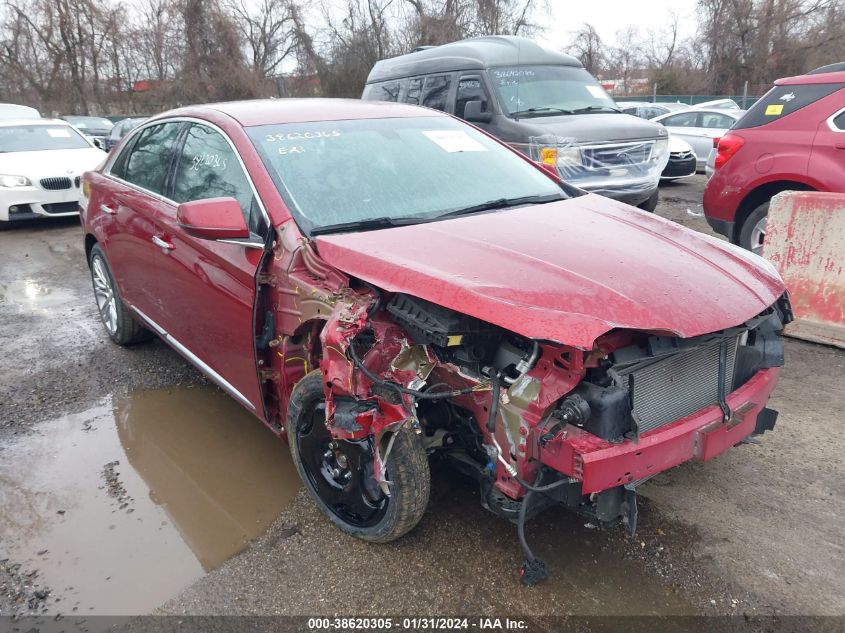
[[90, 240], [760, 195]]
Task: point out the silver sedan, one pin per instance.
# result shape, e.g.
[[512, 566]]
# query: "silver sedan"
[[699, 127]]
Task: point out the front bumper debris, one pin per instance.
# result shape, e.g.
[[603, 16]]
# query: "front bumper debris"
[[600, 465]]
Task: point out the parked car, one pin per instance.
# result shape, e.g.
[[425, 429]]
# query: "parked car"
[[41, 161], [830, 68], [648, 110], [718, 104], [94, 128], [699, 127], [119, 130], [537, 101], [682, 161], [441, 294], [793, 138], [14, 111]]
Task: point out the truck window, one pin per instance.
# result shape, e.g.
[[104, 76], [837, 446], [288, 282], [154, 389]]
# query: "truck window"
[[435, 91], [470, 89], [414, 90], [385, 91]]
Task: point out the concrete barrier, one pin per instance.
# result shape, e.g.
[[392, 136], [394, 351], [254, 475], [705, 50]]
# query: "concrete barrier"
[[805, 240]]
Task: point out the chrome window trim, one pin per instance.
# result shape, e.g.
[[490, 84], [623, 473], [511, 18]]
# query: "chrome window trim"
[[203, 367], [832, 125], [186, 119]]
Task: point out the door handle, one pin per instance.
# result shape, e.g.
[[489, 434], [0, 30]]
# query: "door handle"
[[840, 146], [107, 209], [162, 244]]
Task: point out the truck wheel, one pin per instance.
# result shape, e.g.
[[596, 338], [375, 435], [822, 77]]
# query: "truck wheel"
[[651, 204], [119, 324], [338, 474], [753, 230]]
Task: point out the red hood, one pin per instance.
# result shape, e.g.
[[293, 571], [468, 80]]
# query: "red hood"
[[567, 271]]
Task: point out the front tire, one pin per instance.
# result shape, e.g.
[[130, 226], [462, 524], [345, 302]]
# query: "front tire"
[[117, 320], [338, 474]]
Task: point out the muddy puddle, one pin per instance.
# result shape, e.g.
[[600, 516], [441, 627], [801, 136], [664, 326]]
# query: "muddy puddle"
[[121, 506], [32, 296]]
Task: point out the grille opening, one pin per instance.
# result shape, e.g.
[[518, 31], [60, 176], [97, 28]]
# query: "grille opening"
[[670, 388], [55, 184]]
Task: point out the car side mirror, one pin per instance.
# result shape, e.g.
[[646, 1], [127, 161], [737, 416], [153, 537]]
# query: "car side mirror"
[[473, 113], [213, 219]]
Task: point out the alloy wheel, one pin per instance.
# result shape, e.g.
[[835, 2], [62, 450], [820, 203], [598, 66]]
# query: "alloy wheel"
[[758, 235], [104, 294]]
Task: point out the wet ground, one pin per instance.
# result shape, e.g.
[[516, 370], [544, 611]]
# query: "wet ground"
[[129, 485]]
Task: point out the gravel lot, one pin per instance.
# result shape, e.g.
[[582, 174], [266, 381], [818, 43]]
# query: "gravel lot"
[[757, 530]]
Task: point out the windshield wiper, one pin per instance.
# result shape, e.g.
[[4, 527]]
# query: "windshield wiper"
[[541, 111], [596, 109], [363, 225], [500, 203]]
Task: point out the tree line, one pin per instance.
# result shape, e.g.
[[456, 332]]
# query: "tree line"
[[116, 57], [736, 41]]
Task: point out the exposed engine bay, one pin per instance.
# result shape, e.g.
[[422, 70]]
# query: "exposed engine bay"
[[534, 422]]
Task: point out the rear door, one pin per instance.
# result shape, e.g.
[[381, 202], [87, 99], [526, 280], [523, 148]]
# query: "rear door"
[[130, 198], [207, 287], [827, 161]]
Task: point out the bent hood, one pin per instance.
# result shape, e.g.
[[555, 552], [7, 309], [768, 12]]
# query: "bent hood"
[[567, 271]]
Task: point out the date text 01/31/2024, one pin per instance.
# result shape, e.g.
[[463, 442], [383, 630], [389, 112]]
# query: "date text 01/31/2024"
[[417, 623]]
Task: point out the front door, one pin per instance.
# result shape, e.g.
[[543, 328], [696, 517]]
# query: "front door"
[[207, 287]]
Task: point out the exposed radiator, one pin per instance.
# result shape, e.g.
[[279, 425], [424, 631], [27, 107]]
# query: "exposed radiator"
[[670, 388]]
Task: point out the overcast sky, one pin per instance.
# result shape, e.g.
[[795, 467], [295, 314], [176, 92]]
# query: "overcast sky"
[[610, 16]]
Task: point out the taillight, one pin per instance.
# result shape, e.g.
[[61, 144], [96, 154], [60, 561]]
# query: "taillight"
[[728, 145]]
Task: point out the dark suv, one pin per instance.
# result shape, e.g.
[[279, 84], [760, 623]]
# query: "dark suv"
[[791, 139], [542, 103]]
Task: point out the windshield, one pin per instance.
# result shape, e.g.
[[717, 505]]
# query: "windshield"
[[549, 90], [89, 122], [34, 138], [413, 169]]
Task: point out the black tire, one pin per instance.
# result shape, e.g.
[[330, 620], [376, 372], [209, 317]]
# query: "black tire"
[[651, 204], [123, 329], [407, 470], [747, 235]]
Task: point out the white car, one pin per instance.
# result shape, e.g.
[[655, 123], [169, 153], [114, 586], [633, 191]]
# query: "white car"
[[699, 127], [14, 111], [41, 161]]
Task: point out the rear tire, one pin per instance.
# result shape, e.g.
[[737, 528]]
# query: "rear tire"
[[651, 204], [753, 230], [121, 327], [338, 474]]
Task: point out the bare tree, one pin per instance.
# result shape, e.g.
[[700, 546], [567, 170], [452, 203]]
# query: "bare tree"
[[268, 30], [589, 49]]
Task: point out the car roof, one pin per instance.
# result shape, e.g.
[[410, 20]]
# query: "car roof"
[[476, 53], [274, 111], [830, 68], [16, 122], [820, 78], [734, 114]]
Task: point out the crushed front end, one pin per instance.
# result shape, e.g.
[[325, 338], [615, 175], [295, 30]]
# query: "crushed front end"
[[537, 422]]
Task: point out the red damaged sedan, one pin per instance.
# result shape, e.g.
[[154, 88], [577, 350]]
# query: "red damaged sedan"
[[384, 284]]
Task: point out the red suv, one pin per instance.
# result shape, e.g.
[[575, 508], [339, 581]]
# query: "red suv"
[[793, 138], [382, 283]]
